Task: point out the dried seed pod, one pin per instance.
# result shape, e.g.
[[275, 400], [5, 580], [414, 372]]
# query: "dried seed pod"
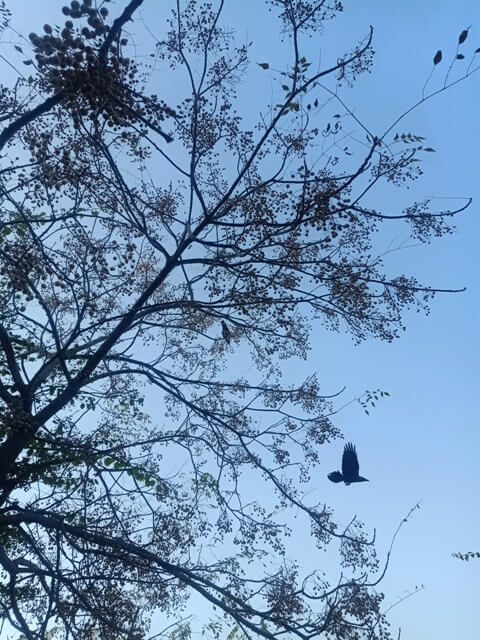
[[463, 36]]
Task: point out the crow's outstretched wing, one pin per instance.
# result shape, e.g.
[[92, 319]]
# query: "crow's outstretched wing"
[[335, 476], [350, 466]]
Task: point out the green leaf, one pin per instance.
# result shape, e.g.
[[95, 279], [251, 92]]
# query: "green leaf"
[[429, 149], [232, 633]]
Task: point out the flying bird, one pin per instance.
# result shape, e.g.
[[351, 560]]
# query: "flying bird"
[[225, 332], [350, 467]]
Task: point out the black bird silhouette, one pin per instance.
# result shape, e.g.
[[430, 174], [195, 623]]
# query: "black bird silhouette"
[[350, 467], [225, 332]]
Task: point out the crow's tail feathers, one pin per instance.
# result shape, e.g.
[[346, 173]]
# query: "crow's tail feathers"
[[335, 476]]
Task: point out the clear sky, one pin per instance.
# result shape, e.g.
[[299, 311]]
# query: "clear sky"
[[423, 442]]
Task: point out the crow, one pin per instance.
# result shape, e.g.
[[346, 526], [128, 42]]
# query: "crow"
[[350, 467], [225, 332]]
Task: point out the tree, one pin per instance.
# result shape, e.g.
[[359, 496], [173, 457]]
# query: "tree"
[[132, 232]]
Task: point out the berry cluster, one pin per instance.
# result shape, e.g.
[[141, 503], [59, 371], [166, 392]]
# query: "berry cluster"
[[93, 77], [19, 264]]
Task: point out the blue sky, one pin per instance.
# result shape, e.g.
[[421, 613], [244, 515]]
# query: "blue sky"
[[422, 443]]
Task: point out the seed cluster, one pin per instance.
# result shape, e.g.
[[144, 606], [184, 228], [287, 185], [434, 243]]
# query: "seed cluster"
[[20, 264], [95, 82]]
